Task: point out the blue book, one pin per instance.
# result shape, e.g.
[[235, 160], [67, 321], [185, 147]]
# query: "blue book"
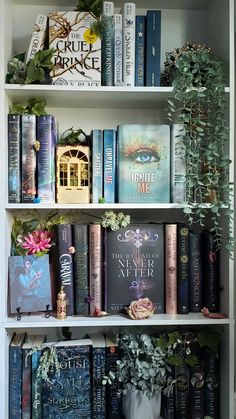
[[153, 48], [97, 165], [140, 37], [109, 165], [108, 44], [47, 136], [15, 375], [99, 370], [14, 158], [69, 395]]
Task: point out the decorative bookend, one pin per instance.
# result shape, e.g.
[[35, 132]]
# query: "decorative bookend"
[[73, 174]]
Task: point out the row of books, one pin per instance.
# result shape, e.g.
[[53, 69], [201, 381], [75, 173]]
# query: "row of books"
[[134, 164], [131, 46]]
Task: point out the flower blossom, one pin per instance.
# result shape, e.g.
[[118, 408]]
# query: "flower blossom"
[[39, 241]]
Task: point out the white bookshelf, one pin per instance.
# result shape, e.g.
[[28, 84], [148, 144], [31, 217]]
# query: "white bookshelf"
[[208, 21]]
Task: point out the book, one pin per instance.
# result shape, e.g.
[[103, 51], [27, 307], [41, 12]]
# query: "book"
[[47, 136], [168, 400], [38, 37], [134, 267], [181, 388], [140, 40], [78, 49], [143, 163], [195, 272], [36, 408], [97, 164], [95, 268], [99, 370], [69, 395], [65, 264], [197, 384], [118, 50], [29, 283], [178, 164], [211, 280], [108, 44], [129, 11], [113, 398], [81, 272], [109, 165], [183, 269], [153, 47], [212, 385], [15, 375], [28, 158], [171, 268], [27, 346], [14, 158]]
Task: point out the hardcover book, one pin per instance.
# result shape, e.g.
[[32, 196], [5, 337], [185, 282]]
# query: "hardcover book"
[[212, 385], [36, 409], [27, 346], [183, 268], [178, 164], [181, 388], [211, 273], [47, 136], [140, 41], [29, 283], [108, 44], [38, 37], [81, 272], [28, 158], [134, 266], [99, 370], [195, 272], [78, 49], [197, 384], [14, 158], [153, 48], [15, 375], [113, 399], [69, 394], [143, 163], [171, 268], [95, 268], [97, 164], [109, 165], [129, 12], [65, 264], [118, 50]]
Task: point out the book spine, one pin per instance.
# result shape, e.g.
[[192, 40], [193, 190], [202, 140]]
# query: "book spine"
[[118, 52], [171, 268], [178, 164], [14, 158], [99, 391], [109, 164], [153, 48], [95, 268], [15, 382], [80, 239], [26, 384], [65, 264], [129, 44], [195, 272], [28, 163], [97, 165], [212, 386], [36, 386], [211, 258], [46, 135], [196, 384], [38, 37], [108, 44], [181, 389], [169, 399], [140, 36], [183, 269], [113, 399]]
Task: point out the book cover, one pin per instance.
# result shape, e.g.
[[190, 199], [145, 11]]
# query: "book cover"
[[36, 410], [195, 272], [118, 50], [108, 44], [143, 163], [97, 164], [153, 48], [197, 384], [78, 49], [140, 40], [211, 273], [28, 158], [113, 398], [38, 37], [15, 375], [95, 268], [212, 385], [29, 283], [47, 136], [178, 164], [14, 158], [134, 266], [171, 268], [99, 371], [129, 12], [65, 264], [181, 388], [81, 272], [183, 268], [27, 346], [69, 394], [109, 165]]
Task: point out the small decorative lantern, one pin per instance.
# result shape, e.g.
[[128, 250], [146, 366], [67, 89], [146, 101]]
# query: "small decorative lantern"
[[73, 174], [61, 304]]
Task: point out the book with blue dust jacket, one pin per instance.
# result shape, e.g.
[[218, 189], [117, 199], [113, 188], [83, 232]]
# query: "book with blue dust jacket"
[[97, 164], [143, 163], [14, 158], [109, 165], [15, 375], [140, 41], [153, 48]]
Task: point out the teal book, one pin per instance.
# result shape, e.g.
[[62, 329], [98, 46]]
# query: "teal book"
[[143, 163], [97, 164], [109, 165]]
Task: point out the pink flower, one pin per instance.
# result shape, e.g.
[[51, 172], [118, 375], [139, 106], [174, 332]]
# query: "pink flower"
[[141, 309], [37, 242]]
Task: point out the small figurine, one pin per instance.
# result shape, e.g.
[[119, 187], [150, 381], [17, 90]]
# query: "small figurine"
[[61, 304]]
